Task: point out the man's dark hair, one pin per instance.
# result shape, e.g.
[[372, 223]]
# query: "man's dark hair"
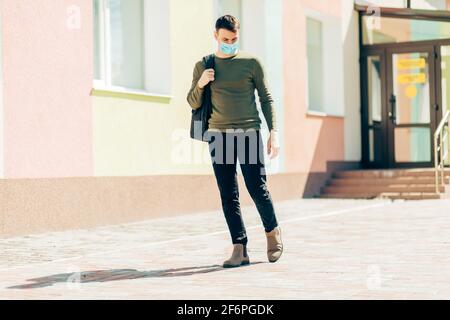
[[227, 22]]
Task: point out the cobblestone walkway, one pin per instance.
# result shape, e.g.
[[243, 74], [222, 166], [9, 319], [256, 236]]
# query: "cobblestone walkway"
[[343, 249]]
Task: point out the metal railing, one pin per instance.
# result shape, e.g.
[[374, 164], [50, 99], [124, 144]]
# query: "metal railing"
[[441, 151]]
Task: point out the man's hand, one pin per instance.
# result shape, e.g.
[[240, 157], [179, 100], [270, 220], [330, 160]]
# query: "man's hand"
[[207, 76], [273, 144]]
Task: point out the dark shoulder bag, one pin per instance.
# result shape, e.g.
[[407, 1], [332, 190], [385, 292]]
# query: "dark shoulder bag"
[[200, 116]]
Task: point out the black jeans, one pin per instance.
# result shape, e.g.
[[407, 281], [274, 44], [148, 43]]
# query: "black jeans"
[[247, 146]]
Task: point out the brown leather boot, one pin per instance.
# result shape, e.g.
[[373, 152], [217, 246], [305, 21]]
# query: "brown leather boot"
[[274, 244], [238, 257]]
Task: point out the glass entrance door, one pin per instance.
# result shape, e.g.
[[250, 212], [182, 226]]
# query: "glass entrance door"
[[401, 103], [411, 106]]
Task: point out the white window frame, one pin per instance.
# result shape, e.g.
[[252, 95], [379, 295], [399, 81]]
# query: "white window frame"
[[157, 63], [308, 100], [333, 99]]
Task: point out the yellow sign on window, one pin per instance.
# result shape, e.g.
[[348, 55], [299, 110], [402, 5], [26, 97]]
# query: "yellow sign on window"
[[410, 63], [411, 91], [411, 78]]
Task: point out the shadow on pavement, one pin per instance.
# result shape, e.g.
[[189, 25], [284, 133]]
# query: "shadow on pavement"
[[73, 278]]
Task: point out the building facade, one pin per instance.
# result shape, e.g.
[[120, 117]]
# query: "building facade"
[[95, 123]]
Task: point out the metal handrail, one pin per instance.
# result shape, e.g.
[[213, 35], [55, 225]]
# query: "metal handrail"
[[441, 149]]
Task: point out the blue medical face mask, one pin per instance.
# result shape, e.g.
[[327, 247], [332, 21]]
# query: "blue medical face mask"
[[229, 48]]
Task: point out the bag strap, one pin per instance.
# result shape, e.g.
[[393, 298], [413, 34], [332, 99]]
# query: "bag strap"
[[209, 61]]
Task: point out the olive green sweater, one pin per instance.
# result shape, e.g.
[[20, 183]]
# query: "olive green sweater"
[[233, 93]]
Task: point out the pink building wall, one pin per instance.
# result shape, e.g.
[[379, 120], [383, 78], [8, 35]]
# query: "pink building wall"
[[47, 60], [310, 140]]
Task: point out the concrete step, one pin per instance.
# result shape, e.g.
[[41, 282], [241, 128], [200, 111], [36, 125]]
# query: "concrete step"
[[387, 173], [348, 195], [412, 196], [376, 189], [409, 184], [351, 181], [393, 195]]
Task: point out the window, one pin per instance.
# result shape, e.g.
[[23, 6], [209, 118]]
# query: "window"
[[394, 30], [414, 4], [383, 3], [430, 4], [315, 64], [325, 74], [131, 45]]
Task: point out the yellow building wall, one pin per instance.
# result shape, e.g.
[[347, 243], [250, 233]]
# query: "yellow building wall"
[[141, 137]]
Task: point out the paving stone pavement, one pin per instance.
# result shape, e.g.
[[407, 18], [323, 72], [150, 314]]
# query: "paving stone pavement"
[[334, 249]]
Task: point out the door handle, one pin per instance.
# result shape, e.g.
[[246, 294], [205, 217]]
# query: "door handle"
[[393, 111]]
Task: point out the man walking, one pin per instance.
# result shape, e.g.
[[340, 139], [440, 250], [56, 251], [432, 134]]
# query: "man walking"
[[235, 126]]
